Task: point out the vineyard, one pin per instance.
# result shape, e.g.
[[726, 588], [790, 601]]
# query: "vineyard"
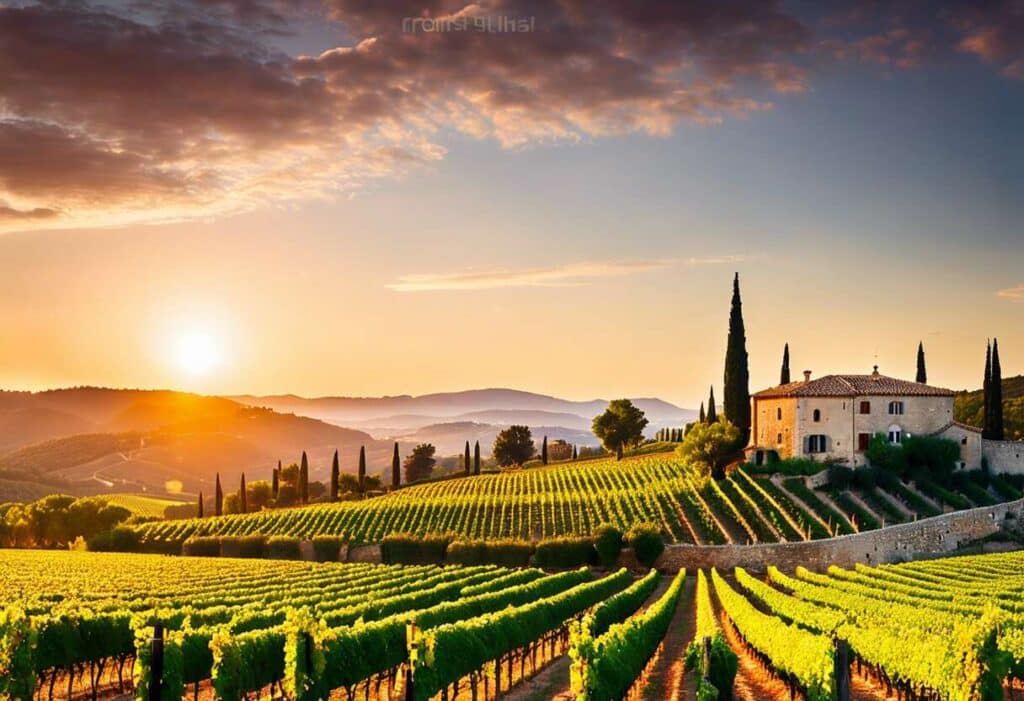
[[574, 499], [85, 625]]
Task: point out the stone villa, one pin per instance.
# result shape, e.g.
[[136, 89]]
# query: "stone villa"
[[834, 418]]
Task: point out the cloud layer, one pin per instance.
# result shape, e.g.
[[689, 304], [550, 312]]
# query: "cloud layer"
[[567, 275], [141, 111]]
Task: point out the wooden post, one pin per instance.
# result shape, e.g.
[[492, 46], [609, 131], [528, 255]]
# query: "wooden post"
[[842, 669], [156, 664]]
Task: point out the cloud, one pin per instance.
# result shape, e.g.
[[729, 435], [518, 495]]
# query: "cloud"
[[1013, 293], [568, 275]]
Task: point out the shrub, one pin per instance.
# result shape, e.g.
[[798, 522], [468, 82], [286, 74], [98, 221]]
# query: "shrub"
[[507, 553], [243, 546], [865, 478], [791, 467], [161, 547], [406, 549], [565, 553], [646, 541], [284, 548], [201, 546], [327, 548], [840, 477], [608, 544], [117, 539]]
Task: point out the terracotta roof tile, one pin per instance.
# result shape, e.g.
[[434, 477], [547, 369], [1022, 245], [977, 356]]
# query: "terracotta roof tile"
[[854, 386]]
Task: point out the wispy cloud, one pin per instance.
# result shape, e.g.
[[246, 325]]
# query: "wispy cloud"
[[1014, 293], [567, 275]]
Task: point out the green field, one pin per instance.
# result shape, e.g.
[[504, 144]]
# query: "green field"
[[143, 505], [574, 498]]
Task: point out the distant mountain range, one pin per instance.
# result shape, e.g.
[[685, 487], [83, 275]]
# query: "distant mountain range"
[[92, 440]]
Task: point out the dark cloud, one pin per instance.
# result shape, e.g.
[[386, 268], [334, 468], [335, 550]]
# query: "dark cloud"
[[184, 105]]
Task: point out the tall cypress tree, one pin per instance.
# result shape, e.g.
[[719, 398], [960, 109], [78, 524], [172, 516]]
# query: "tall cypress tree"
[[304, 478], [335, 477], [466, 466], [986, 427], [998, 430], [396, 468], [275, 482], [736, 396], [218, 499], [243, 502], [476, 459], [703, 418], [922, 373], [575, 452], [712, 416], [544, 451], [362, 469], [784, 377], [199, 506]]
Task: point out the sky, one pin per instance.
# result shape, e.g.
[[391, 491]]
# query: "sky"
[[326, 198]]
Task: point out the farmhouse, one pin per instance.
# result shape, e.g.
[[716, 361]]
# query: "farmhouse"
[[834, 418]]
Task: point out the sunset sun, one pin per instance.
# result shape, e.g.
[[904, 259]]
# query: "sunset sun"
[[198, 353]]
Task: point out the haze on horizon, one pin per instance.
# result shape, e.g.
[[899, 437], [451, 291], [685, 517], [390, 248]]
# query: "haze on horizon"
[[251, 196]]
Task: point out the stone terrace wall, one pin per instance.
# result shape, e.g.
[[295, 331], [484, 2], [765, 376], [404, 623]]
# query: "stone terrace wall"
[[908, 541], [1004, 456]]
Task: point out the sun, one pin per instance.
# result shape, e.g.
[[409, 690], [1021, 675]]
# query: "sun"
[[198, 353]]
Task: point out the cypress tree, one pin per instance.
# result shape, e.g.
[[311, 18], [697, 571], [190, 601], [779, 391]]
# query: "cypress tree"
[[922, 374], [335, 477], [396, 468], [703, 417], [736, 395], [275, 482], [476, 459], [304, 478], [998, 430], [218, 499], [712, 412], [575, 452], [199, 507], [242, 500], [465, 461], [362, 469], [544, 451], [784, 377], [986, 428]]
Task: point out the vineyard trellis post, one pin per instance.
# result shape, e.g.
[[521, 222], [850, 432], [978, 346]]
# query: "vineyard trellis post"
[[842, 669], [157, 662]]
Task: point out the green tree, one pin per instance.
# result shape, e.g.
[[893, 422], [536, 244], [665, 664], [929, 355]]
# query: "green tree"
[[710, 447], [544, 451], [712, 416], [702, 417], [258, 495], [621, 425], [922, 373], [362, 469], [466, 465], [476, 458], [513, 446], [199, 506], [218, 498], [396, 468], [276, 480], [998, 430], [243, 503], [784, 376], [986, 424], [303, 486], [420, 463], [736, 394], [332, 490]]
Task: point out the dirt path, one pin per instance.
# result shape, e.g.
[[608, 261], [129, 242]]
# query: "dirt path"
[[668, 679]]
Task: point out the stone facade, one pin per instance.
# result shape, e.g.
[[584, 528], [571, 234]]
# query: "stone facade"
[[1006, 457], [925, 538]]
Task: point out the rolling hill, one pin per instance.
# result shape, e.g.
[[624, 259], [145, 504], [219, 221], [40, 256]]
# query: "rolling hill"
[[969, 407]]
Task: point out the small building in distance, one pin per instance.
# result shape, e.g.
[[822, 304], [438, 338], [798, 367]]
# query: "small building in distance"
[[559, 450], [834, 417]]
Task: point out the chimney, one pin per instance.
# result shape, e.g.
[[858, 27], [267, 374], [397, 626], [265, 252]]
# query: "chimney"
[[807, 375], [875, 375]]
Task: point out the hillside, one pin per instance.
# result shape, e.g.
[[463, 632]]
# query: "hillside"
[[450, 438], [141, 440], [968, 407], [573, 498]]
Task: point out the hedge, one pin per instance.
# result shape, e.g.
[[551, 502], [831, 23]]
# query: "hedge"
[[507, 553], [407, 549], [201, 546], [327, 548], [284, 548], [565, 553]]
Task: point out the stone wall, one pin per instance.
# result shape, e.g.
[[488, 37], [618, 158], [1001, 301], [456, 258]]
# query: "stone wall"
[[908, 541], [1005, 457]]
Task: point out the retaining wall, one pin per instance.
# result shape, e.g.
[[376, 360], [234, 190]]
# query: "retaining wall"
[[928, 537], [1006, 457]]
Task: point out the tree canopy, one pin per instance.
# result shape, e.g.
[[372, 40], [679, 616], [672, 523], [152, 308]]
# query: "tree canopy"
[[420, 463], [710, 446], [622, 424], [513, 446]]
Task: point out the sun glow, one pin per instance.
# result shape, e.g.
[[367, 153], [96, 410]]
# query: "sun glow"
[[198, 353]]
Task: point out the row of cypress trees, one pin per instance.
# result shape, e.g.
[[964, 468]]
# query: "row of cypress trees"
[[992, 421]]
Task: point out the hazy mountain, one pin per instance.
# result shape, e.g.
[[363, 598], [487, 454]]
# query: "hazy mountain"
[[450, 438], [482, 405]]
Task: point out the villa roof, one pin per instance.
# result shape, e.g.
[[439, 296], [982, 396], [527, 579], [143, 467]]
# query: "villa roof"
[[957, 424], [854, 386]]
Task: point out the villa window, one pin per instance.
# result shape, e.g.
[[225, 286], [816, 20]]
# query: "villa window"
[[895, 408], [863, 441], [778, 439], [817, 443], [778, 414], [865, 407], [817, 415], [963, 441], [895, 435]]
